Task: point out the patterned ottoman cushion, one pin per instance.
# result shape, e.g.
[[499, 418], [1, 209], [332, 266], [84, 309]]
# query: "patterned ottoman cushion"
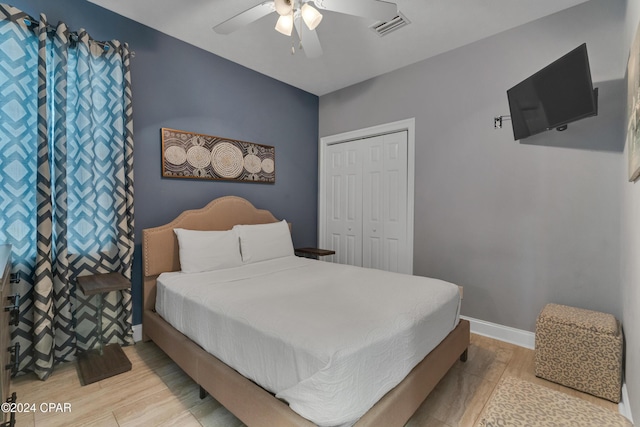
[[518, 403], [581, 349]]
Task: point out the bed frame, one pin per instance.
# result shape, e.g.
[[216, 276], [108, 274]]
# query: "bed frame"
[[249, 402]]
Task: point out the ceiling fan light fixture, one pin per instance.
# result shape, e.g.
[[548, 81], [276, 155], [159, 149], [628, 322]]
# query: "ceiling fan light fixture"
[[311, 16], [283, 7], [285, 24]]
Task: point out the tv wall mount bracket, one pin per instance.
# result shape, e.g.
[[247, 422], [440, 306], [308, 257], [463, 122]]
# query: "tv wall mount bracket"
[[497, 121]]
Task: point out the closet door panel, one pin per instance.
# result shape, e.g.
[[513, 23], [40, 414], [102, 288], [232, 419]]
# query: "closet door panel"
[[372, 201], [394, 202], [344, 202]]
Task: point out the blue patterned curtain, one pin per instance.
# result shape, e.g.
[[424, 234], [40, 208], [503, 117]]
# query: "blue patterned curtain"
[[66, 156], [18, 153]]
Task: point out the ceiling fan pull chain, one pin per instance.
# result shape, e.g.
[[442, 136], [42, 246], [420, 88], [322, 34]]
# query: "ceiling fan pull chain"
[[293, 44], [300, 25]]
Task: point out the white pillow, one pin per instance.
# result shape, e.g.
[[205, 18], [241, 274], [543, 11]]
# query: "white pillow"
[[208, 250], [261, 242]]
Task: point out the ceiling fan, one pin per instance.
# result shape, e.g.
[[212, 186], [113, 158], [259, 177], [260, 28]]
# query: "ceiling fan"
[[294, 12]]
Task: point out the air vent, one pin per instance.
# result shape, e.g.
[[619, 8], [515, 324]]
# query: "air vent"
[[384, 28]]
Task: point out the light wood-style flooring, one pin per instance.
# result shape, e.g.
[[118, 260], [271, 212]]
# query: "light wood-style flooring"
[[157, 393]]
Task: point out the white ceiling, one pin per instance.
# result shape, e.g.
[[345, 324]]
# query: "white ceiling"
[[352, 52]]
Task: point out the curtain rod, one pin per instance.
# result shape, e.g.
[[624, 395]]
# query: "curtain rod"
[[33, 24]]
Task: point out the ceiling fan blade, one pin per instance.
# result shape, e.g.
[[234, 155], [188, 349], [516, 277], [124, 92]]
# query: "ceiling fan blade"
[[244, 18], [309, 39], [375, 9]]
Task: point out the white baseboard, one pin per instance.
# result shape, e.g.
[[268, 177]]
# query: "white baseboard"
[[623, 407], [528, 340], [137, 332], [502, 333]]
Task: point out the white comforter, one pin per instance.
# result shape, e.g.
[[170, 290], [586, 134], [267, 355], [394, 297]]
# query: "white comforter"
[[328, 339]]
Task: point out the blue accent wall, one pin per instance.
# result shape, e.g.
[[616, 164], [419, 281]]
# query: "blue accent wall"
[[180, 86]]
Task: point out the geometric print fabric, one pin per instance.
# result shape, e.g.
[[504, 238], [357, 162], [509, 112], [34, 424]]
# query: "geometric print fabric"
[[66, 200], [18, 160]]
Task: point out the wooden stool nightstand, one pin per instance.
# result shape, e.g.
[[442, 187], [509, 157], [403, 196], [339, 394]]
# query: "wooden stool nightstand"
[[313, 252], [109, 360]]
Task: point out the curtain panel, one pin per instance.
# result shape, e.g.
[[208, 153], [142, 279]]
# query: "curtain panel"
[[66, 169]]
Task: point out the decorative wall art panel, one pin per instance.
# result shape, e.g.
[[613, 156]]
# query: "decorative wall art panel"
[[633, 108], [193, 155]]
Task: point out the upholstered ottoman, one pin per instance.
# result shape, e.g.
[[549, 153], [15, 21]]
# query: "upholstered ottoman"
[[581, 349], [520, 403]]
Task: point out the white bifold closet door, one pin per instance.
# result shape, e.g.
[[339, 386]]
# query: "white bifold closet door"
[[366, 202]]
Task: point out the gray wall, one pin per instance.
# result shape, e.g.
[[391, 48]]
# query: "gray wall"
[[517, 224], [630, 256], [180, 86]]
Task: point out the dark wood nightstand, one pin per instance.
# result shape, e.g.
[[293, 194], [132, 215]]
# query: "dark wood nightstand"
[[313, 252], [109, 360]]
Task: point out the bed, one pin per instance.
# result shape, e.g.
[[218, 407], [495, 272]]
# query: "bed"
[[251, 403]]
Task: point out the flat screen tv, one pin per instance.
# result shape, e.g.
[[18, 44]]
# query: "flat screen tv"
[[559, 94]]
